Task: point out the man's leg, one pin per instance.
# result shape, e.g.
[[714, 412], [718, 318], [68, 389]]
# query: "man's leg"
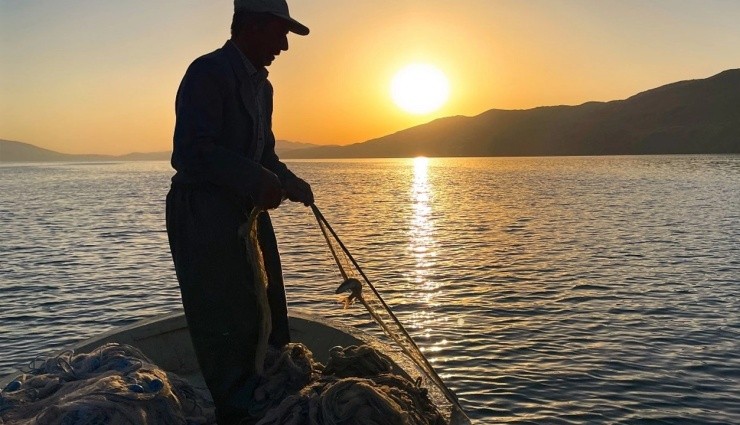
[[218, 297]]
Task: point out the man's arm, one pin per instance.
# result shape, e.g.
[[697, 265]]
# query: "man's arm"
[[296, 189]]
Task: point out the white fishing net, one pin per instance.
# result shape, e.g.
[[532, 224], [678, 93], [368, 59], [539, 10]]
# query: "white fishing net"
[[117, 384], [113, 384]]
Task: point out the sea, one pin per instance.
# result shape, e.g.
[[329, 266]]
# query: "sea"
[[550, 290]]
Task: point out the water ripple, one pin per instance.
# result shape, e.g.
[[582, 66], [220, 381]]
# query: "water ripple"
[[544, 290]]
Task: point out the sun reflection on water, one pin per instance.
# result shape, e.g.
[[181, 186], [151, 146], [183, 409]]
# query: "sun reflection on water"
[[423, 249], [421, 241]]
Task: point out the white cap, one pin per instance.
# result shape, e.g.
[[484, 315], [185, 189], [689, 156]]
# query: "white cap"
[[278, 8]]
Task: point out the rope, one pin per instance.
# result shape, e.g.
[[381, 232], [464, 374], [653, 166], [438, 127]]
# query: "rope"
[[393, 328], [250, 232]]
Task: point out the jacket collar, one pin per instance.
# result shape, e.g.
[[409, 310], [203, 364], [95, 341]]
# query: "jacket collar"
[[244, 85], [242, 66]]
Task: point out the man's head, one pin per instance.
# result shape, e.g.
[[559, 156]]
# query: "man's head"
[[260, 29], [277, 8]]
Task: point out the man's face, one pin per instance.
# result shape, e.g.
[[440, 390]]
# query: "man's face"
[[266, 41]]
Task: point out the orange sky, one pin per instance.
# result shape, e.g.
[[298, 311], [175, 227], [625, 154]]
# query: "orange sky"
[[90, 76]]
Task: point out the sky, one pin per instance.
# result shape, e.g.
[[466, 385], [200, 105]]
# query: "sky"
[[92, 76]]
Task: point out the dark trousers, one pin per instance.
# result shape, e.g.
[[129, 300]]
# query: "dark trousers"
[[217, 287]]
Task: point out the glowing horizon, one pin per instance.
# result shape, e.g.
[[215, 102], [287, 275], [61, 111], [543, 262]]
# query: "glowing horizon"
[[93, 77]]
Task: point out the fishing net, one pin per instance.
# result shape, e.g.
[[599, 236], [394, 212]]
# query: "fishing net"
[[380, 312], [249, 231], [355, 282], [357, 386], [117, 384], [114, 384]]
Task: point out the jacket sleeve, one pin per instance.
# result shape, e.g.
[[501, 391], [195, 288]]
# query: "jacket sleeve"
[[199, 124], [269, 158]]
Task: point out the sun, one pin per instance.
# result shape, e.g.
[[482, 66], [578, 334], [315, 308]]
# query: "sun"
[[420, 88]]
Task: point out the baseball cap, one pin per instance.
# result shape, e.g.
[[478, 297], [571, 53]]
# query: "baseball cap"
[[278, 8]]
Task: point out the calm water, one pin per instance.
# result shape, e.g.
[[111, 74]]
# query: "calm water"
[[545, 290]]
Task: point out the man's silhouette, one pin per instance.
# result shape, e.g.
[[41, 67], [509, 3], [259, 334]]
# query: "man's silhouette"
[[224, 155]]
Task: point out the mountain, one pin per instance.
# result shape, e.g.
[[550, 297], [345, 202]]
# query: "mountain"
[[283, 146], [695, 116], [144, 156], [11, 151]]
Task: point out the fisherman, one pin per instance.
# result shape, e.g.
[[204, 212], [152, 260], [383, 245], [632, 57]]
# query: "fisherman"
[[225, 162]]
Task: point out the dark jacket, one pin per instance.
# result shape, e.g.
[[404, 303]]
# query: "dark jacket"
[[215, 127]]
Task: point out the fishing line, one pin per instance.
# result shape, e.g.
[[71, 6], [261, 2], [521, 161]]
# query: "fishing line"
[[401, 337]]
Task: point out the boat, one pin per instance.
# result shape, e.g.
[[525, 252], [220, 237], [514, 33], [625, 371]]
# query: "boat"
[[166, 341]]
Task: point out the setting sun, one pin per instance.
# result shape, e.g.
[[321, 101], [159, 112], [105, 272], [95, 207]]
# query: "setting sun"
[[420, 88]]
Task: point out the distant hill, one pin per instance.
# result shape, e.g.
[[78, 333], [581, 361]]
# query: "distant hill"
[[145, 156], [11, 151], [696, 116], [283, 146]]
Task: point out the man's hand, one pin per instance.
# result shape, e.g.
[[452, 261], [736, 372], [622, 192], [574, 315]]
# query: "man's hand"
[[270, 192], [298, 190]]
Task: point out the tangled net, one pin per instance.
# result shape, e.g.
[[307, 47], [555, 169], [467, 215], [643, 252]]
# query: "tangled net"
[[117, 384], [250, 231], [114, 384], [357, 386]]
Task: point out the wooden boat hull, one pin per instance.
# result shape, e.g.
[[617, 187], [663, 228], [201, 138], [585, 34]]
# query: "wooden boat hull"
[[166, 341]]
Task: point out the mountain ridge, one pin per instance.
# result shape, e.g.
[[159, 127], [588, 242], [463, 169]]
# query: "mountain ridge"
[[14, 151], [691, 116], [685, 117]]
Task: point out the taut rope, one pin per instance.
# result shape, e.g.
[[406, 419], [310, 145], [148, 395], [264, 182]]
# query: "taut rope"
[[393, 327]]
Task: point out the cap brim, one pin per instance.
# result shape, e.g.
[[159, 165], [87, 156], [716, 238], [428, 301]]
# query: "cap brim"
[[293, 25]]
